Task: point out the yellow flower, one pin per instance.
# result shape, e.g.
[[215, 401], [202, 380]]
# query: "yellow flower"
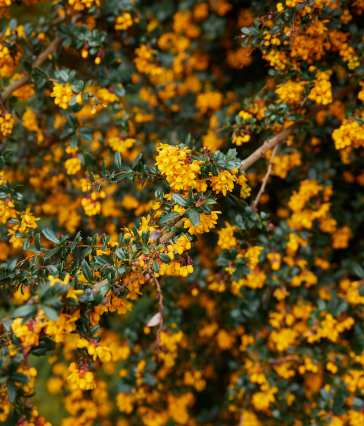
[[226, 237], [290, 92], [6, 123], [207, 222], [95, 350], [80, 378], [223, 182], [181, 171], [62, 94], [182, 244]]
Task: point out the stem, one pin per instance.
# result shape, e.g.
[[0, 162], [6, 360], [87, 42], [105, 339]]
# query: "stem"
[[264, 183], [271, 143], [52, 47]]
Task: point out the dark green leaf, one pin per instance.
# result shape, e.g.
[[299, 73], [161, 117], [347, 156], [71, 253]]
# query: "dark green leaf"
[[86, 271], [11, 391], [50, 313], [20, 378], [117, 160], [24, 310], [37, 241], [155, 266], [51, 253], [179, 200], [194, 217], [136, 161], [164, 258], [167, 218]]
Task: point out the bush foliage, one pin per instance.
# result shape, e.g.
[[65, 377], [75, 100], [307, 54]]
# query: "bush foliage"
[[182, 212]]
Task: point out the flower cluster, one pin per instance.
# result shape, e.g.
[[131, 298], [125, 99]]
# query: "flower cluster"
[[62, 94], [180, 170]]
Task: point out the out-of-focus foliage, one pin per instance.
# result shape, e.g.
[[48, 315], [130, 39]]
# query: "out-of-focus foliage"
[[156, 269]]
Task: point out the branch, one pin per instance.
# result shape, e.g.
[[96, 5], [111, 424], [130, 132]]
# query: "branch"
[[264, 183], [52, 47], [271, 143], [168, 235], [241, 422], [5, 319], [161, 309]]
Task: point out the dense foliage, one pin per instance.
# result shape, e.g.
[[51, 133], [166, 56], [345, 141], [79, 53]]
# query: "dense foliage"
[[182, 213]]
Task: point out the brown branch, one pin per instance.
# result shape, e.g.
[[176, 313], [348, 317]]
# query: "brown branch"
[[168, 235], [282, 360], [5, 319], [161, 309], [52, 47], [128, 282], [271, 143], [264, 183], [241, 423], [96, 287]]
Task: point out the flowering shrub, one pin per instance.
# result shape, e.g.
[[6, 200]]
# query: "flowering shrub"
[[182, 212]]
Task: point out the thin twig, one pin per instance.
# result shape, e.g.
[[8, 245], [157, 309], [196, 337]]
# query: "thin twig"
[[52, 47], [161, 309], [282, 360], [271, 143], [128, 282], [241, 423], [264, 183]]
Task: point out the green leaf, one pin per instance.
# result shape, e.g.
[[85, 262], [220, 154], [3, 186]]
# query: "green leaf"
[[164, 258], [51, 253], [51, 236], [3, 379], [145, 250], [136, 161], [117, 160], [358, 271], [179, 200], [101, 294], [33, 262], [7, 154], [86, 134], [94, 330], [24, 311], [167, 218], [50, 313], [120, 254], [145, 237], [358, 402], [104, 290], [120, 91], [120, 177], [155, 266], [210, 201], [86, 271], [194, 216], [20, 378], [101, 261], [12, 265], [37, 241], [11, 391], [325, 394], [26, 244], [190, 197]]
